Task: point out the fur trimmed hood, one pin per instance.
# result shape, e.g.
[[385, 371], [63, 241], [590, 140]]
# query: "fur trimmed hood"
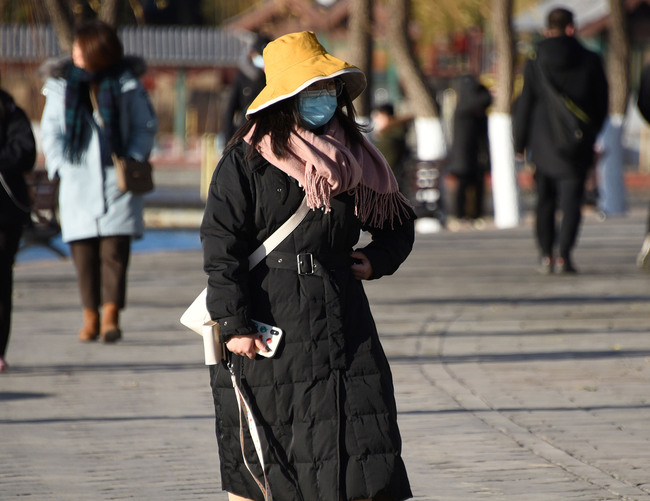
[[56, 67]]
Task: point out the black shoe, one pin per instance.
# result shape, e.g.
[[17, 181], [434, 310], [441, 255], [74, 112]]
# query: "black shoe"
[[564, 266], [545, 265]]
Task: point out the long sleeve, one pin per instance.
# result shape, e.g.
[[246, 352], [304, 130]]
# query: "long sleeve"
[[142, 122], [18, 150], [228, 218], [644, 94], [390, 246], [523, 111], [53, 126]]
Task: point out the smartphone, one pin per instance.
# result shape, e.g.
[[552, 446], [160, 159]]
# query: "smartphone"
[[270, 336]]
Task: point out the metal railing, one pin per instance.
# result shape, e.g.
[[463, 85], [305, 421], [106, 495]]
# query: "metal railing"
[[158, 45]]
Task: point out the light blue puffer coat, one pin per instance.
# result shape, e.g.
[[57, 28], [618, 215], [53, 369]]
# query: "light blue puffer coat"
[[90, 203]]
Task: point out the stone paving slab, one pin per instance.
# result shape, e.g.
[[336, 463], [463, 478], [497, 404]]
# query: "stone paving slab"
[[510, 385]]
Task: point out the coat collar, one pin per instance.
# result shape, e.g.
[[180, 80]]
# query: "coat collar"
[[258, 162]]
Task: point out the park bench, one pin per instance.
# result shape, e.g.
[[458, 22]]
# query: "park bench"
[[43, 225]]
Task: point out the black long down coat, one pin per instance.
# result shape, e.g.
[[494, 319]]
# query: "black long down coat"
[[643, 99], [17, 157], [576, 72], [469, 150], [325, 402]]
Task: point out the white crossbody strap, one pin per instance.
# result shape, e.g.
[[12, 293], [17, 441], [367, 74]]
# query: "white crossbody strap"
[[252, 427], [278, 235], [256, 257]]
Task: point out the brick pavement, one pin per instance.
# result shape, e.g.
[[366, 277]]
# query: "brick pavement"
[[510, 385]]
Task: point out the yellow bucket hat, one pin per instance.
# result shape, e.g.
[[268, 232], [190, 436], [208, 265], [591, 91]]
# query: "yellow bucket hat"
[[295, 61]]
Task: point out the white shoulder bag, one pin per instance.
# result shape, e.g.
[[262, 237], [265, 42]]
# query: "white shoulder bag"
[[197, 318]]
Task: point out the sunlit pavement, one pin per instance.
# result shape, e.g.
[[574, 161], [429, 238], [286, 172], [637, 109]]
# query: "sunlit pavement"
[[510, 384]]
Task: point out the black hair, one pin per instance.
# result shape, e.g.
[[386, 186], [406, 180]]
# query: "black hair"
[[386, 108], [558, 19], [280, 119], [259, 43]]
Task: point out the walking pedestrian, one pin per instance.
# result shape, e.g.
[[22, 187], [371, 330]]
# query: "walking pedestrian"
[[247, 83], [470, 152], [389, 136], [324, 404], [17, 157], [578, 75], [98, 220]]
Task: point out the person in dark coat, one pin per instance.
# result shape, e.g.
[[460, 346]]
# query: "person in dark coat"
[[17, 157], [470, 152], [643, 103], [247, 83], [389, 136], [324, 404], [578, 74]]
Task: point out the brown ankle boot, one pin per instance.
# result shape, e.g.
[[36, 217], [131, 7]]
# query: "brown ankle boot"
[[110, 330], [90, 329]]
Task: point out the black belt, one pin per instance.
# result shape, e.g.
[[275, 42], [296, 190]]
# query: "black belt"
[[321, 265], [307, 263]]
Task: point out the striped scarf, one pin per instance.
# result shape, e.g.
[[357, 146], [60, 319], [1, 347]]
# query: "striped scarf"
[[78, 109]]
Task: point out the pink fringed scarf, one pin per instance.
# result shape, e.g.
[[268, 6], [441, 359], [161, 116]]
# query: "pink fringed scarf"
[[328, 164]]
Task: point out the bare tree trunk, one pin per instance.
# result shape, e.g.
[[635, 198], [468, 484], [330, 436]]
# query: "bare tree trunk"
[[611, 181], [431, 145], [618, 73], [502, 155], [360, 39], [504, 47], [108, 11], [412, 78], [62, 21]]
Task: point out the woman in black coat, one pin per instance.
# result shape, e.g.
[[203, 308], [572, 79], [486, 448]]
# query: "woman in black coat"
[[17, 157], [470, 151], [324, 404]]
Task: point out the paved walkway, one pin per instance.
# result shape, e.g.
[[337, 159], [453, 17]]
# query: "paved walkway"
[[510, 385]]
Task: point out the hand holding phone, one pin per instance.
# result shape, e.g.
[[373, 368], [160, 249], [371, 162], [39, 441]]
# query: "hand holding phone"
[[270, 336]]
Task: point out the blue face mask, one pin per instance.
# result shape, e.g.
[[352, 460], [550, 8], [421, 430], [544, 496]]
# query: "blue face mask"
[[258, 61], [317, 110]]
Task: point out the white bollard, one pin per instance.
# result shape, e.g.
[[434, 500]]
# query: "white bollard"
[[430, 139], [505, 191]]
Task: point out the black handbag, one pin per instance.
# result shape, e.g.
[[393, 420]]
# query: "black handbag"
[[133, 175]]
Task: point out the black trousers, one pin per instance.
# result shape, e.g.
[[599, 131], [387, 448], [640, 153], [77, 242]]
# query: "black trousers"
[[469, 195], [566, 195], [101, 265], [9, 241]]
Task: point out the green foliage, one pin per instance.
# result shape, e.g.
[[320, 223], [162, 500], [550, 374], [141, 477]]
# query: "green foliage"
[[438, 19], [18, 12], [443, 17], [216, 12]]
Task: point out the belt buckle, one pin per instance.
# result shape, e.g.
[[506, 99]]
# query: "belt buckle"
[[305, 263]]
